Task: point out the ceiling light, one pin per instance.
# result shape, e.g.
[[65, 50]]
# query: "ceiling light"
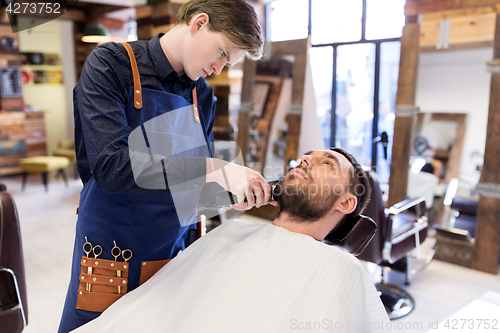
[[96, 33]]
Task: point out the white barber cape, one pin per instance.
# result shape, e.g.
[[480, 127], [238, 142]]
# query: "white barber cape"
[[247, 276]]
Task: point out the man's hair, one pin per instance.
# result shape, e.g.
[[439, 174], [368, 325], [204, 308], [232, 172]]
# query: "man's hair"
[[359, 184], [235, 18]]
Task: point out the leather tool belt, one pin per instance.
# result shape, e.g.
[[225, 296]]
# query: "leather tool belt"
[[104, 282], [98, 290]]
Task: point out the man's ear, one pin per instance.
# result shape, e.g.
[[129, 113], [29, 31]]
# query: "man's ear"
[[347, 204], [198, 21]]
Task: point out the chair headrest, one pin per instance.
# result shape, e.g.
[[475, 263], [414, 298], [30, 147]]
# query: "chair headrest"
[[353, 235], [3, 188]]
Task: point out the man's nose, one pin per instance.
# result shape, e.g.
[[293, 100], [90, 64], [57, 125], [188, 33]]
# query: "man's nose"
[[306, 160]]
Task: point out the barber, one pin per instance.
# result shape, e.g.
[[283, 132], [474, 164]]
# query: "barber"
[[114, 208]]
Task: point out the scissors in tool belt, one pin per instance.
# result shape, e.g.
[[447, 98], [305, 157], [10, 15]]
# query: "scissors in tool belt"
[[126, 255], [96, 250]]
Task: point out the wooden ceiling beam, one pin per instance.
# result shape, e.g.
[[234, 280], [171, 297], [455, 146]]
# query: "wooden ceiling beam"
[[99, 10], [415, 7], [109, 22]]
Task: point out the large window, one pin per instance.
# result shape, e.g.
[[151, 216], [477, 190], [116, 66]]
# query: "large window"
[[334, 21], [288, 19], [364, 38], [355, 64]]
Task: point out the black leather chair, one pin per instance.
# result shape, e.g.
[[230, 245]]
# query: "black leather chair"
[[353, 235], [401, 228], [13, 301]]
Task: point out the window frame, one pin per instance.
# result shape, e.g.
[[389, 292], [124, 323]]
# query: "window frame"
[[376, 90]]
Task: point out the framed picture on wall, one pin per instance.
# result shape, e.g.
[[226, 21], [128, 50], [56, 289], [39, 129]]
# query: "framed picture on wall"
[[260, 95], [54, 77], [11, 82], [39, 77]]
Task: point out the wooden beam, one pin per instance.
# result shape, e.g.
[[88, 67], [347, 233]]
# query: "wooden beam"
[[74, 15], [299, 77], [471, 11], [109, 22], [162, 9], [404, 126], [143, 11], [454, 47], [249, 69], [292, 47], [97, 10], [292, 138], [487, 236], [297, 48], [470, 3], [463, 30], [455, 158], [414, 7]]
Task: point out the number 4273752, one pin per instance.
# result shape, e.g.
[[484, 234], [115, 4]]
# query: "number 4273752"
[[34, 8]]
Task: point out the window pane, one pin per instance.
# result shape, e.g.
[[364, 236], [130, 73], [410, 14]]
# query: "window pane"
[[322, 73], [354, 100], [289, 19], [389, 71], [336, 21], [384, 18]]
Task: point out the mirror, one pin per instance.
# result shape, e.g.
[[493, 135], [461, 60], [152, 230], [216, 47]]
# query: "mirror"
[[438, 143]]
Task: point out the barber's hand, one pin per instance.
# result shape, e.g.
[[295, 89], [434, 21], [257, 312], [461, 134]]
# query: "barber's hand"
[[243, 182]]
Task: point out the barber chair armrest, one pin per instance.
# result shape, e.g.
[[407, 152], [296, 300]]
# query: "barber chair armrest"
[[415, 206], [353, 235], [465, 206], [418, 226], [12, 305], [409, 204], [453, 233], [410, 219]]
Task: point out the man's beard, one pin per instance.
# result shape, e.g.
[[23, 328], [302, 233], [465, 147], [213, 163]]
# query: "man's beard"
[[300, 202]]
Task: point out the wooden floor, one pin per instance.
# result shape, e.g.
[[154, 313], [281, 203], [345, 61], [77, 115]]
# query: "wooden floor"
[[48, 222]]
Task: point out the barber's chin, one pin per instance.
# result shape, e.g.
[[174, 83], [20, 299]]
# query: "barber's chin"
[[192, 76]]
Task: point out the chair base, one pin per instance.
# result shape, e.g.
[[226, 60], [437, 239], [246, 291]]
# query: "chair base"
[[397, 302]]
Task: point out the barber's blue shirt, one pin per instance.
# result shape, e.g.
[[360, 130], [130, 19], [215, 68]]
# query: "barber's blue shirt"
[[101, 129]]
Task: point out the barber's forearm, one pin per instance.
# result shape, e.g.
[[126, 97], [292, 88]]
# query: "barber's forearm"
[[214, 170], [185, 173]]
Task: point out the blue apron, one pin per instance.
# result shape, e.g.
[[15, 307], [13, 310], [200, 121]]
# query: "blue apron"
[[146, 224]]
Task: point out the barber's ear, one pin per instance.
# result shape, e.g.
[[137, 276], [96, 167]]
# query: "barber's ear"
[[198, 21], [347, 204]]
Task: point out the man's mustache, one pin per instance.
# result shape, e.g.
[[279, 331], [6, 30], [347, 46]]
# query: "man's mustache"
[[304, 169]]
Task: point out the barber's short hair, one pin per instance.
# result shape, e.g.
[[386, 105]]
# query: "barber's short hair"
[[235, 18], [359, 184]]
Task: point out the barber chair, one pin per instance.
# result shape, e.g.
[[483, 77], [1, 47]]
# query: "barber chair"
[[459, 213], [401, 229], [13, 302]]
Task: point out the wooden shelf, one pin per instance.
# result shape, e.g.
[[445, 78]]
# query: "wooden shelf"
[[26, 130]]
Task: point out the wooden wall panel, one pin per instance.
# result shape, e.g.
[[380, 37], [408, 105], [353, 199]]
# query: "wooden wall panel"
[[465, 29]]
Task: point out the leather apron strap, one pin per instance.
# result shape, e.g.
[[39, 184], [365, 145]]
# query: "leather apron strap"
[[137, 78], [138, 89]]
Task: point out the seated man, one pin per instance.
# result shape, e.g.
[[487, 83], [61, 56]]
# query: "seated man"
[[247, 276]]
